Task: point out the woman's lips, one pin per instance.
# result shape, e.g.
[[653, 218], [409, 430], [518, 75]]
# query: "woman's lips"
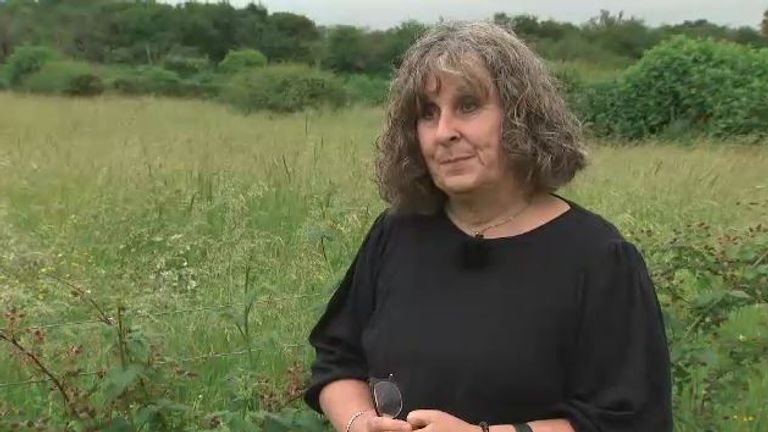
[[456, 159]]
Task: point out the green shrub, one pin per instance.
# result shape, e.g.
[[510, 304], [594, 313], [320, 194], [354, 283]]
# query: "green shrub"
[[569, 78], [3, 79], [65, 77], [717, 88], [203, 85], [571, 83], [284, 88], [148, 80], [27, 60], [366, 89], [242, 60], [185, 66], [578, 48], [713, 289]]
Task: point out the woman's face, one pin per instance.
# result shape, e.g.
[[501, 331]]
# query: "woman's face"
[[459, 134]]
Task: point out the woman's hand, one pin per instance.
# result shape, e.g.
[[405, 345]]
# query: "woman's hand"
[[372, 423], [439, 421]]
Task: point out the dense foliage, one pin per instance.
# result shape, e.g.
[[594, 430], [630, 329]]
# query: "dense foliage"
[[284, 88], [685, 84], [147, 32], [623, 77]]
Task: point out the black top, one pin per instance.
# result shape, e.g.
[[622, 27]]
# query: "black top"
[[562, 321]]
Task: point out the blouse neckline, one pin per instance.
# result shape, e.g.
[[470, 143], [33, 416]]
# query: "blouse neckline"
[[546, 226]]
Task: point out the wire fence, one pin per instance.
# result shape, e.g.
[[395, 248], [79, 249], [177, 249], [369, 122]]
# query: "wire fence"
[[165, 362], [202, 357], [178, 311]]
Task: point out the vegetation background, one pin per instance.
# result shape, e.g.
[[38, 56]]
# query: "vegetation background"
[[181, 188]]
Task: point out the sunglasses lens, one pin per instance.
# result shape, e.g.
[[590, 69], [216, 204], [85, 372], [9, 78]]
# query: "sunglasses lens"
[[387, 398]]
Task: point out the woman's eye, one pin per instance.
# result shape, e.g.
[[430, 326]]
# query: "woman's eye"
[[469, 105], [428, 112]]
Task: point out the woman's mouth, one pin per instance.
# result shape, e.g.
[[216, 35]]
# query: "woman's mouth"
[[456, 159]]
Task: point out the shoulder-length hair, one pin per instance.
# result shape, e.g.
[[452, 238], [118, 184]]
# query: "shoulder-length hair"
[[540, 136]]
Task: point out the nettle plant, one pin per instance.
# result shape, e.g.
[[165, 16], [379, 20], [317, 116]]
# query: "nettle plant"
[[138, 389], [714, 291], [130, 393]]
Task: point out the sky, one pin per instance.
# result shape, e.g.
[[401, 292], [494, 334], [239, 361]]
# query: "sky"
[[379, 14]]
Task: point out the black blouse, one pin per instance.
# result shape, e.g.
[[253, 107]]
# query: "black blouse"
[[562, 321]]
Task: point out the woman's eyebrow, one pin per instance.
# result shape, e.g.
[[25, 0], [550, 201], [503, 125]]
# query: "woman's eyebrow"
[[467, 92], [466, 88]]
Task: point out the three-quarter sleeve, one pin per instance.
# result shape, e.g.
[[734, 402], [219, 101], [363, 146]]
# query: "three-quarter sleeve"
[[337, 336], [620, 376]]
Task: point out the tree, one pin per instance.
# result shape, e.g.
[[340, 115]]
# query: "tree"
[[746, 35], [289, 37], [627, 37], [210, 27], [242, 60], [18, 26], [700, 28], [251, 26], [399, 39], [764, 25], [503, 20], [346, 50], [554, 30], [6, 38]]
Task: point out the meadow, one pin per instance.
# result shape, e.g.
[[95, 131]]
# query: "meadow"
[[195, 247]]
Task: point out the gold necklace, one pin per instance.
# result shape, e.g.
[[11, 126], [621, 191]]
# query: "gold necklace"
[[479, 234]]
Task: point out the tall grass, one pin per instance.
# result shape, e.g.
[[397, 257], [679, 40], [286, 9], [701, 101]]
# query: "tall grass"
[[163, 205]]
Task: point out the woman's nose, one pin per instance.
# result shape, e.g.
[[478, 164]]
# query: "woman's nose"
[[446, 128]]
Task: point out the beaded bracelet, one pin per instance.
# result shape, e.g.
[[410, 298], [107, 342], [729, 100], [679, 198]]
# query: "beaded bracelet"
[[354, 417]]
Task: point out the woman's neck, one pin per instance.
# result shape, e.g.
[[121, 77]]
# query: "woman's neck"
[[485, 207]]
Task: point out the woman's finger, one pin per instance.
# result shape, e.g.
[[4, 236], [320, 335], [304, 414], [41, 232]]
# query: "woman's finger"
[[383, 424]]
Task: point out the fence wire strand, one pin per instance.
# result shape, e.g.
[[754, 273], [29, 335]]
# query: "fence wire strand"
[[168, 313], [164, 362], [175, 312]]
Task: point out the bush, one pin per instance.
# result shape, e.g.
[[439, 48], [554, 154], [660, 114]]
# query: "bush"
[[27, 60], [185, 66], [718, 88], [284, 88], [65, 77], [577, 48], [366, 89], [713, 289], [202, 85], [3, 79], [148, 80], [242, 60]]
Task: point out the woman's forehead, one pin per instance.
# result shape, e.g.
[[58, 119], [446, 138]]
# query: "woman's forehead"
[[463, 82]]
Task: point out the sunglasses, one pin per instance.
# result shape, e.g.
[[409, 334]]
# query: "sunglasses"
[[387, 399]]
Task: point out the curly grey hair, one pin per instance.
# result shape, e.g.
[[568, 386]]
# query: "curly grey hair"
[[540, 136]]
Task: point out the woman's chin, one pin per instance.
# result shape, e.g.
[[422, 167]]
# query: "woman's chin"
[[459, 185]]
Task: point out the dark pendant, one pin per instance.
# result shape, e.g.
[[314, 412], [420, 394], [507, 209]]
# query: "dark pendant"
[[475, 253]]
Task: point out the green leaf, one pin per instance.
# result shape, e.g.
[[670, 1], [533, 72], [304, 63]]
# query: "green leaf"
[[709, 357], [237, 424], [273, 423], [137, 347], [118, 425], [145, 414], [739, 295], [708, 299], [308, 422], [117, 380]]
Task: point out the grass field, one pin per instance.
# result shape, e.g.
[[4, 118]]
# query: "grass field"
[[171, 207]]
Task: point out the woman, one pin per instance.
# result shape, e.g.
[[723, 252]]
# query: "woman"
[[494, 303]]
